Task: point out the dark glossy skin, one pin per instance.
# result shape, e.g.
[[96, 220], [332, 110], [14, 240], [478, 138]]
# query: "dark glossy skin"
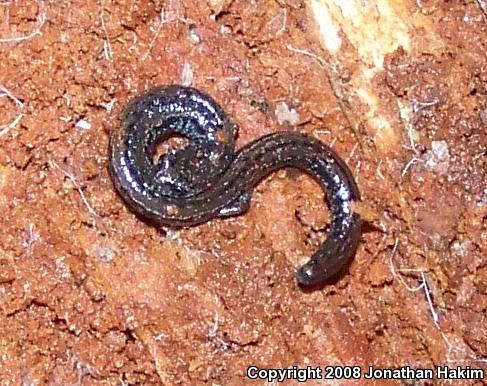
[[206, 179]]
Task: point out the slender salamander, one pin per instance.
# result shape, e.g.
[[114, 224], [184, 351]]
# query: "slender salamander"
[[207, 179]]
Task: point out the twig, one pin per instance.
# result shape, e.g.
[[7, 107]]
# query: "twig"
[[410, 128], [483, 6], [41, 19], [321, 61], [415, 108], [165, 17], [318, 132], [284, 22], [434, 314], [454, 348], [424, 284], [394, 271], [187, 75], [156, 35], [107, 48], [333, 77], [418, 105], [480, 155], [32, 237], [352, 153], [5, 92], [95, 216], [378, 171], [134, 42], [408, 165], [212, 336], [405, 113]]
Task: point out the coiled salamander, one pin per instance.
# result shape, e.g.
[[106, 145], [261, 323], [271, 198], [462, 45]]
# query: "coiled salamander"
[[207, 179]]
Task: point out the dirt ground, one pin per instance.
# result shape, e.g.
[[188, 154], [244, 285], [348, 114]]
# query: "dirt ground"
[[92, 295]]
